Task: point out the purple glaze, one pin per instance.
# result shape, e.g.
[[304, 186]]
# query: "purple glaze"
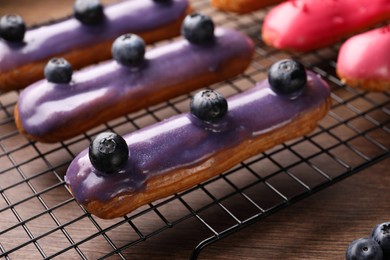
[[48, 41], [46, 107], [178, 142]]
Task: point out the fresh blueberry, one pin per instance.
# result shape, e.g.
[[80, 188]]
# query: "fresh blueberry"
[[89, 12], [198, 28], [129, 50], [381, 234], [364, 249], [208, 105], [108, 152], [12, 28], [58, 70], [287, 77]]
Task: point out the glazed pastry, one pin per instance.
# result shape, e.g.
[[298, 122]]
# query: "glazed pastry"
[[242, 6], [305, 25], [364, 60], [22, 63], [50, 112], [187, 149]]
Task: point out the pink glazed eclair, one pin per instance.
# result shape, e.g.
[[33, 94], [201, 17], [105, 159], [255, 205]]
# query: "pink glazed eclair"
[[364, 60], [305, 25], [117, 175]]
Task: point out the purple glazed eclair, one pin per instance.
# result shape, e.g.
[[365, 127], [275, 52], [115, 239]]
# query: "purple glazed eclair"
[[185, 150], [22, 63], [50, 112]]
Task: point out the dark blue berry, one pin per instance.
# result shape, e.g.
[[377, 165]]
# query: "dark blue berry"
[[12, 28], [381, 234], [58, 70], [89, 12], [129, 50], [108, 152], [364, 249], [287, 77], [208, 105], [198, 28]]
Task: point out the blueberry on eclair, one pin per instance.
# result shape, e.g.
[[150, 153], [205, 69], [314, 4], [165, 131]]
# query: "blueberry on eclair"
[[58, 70], [287, 77], [12, 28], [108, 152], [198, 28], [129, 50], [88, 12], [208, 105]]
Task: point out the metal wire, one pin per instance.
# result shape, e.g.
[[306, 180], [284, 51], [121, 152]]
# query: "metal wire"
[[37, 207]]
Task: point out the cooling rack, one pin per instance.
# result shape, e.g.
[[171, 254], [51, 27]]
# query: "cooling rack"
[[40, 219]]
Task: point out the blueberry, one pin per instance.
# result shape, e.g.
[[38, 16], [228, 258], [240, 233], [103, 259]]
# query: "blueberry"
[[58, 70], [89, 12], [381, 234], [12, 28], [198, 28], [364, 249], [208, 105], [129, 50], [287, 77], [108, 152]]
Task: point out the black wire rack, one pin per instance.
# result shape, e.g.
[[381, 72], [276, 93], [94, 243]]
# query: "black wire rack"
[[40, 218]]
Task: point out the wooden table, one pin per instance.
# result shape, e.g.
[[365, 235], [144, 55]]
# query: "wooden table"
[[319, 227]]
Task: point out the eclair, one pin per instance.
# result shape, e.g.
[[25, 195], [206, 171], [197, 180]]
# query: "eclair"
[[85, 41], [117, 174], [364, 60], [242, 6], [49, 112], [305, 25]]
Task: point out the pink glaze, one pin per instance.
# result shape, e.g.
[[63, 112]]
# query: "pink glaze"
[[304, 25], [366, 56]]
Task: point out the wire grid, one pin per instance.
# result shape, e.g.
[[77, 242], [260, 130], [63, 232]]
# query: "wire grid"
[[40, 218]]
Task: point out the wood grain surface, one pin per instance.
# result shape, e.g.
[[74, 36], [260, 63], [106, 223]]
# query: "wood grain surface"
[[318, 227]]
